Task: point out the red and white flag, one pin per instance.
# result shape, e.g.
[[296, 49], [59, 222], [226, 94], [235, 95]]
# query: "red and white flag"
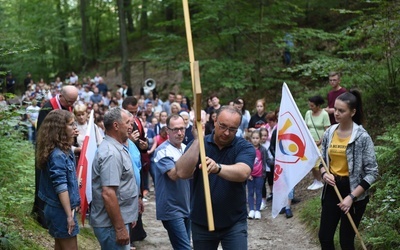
[[84, 170], [296, 152]]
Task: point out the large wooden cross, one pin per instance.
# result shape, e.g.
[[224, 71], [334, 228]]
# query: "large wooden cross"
[[196, 87]]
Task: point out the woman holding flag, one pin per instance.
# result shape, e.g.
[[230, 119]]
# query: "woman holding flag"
[[348, 151], [59, 186]]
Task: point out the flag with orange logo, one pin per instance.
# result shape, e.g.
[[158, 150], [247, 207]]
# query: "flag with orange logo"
[[296, 152]]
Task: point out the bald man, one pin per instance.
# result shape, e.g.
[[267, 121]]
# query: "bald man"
[[65, 100]]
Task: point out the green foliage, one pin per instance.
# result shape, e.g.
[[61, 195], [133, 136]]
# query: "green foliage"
[[382, 220], [310, 213], [17, 186], [44, 37]]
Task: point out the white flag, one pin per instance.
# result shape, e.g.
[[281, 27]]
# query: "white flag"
[[296, 152]]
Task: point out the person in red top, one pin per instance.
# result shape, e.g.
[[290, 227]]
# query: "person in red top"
[[162, 137], [337, 90]]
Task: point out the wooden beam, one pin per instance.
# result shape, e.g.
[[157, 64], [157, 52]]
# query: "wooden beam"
[[196, 87]]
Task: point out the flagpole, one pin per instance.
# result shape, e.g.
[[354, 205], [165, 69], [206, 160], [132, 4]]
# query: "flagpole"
[[348, 214]]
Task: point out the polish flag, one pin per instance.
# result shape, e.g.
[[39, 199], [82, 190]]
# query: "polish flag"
[[84, 170]]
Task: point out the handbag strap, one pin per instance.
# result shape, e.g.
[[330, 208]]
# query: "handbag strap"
[[316, 131]]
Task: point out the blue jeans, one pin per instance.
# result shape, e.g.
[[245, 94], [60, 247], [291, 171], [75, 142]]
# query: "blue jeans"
[[178, 232], [107, 238], [254, 187], [32, 134], [291, 194], [232, 238]]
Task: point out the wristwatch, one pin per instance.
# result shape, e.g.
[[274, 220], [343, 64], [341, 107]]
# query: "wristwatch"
[[219, 168], [352, 197]]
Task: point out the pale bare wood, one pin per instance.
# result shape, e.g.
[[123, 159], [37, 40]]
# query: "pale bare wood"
[[207, 193], [196, 87], [189, 37], [197, 90]]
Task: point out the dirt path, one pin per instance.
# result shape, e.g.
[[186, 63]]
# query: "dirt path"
[[278, 234]]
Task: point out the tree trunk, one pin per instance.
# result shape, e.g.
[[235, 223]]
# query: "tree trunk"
[[169, 15], [128, 15], [144, 24], [63, 33], [84, 19], [95, 40], [126, 70]]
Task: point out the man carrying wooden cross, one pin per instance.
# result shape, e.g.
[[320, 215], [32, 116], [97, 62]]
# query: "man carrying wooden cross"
[[229, 163]]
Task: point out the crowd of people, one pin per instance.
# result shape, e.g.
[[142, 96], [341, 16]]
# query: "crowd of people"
[[143, 140]]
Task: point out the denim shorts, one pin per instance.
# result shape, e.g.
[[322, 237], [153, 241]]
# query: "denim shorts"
[[56, 221]]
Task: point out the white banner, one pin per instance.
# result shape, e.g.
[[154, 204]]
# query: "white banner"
[[296, 152]]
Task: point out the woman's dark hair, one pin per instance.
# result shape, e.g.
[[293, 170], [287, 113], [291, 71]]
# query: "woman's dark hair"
[[317, 100], [240, 100], [353, 100], [210, 120], [271, 116], [188, 103]]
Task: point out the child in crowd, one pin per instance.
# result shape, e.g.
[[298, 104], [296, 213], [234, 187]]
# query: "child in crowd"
[[161, 123], [264, 137], [256, 179], [265, 143], [162, 137]]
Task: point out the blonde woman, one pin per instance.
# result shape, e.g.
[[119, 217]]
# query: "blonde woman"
[[82, 119], [175, 108]]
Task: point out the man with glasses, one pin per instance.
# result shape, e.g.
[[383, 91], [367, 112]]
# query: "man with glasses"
[[230, 161], [65, 100], [172, 199]]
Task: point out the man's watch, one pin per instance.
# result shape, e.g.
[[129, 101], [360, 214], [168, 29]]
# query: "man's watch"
[[219, 168]]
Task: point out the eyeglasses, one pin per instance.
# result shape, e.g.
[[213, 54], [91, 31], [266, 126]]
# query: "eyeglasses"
[[73, 125], [224, 128], [175, 130], [69, 102]]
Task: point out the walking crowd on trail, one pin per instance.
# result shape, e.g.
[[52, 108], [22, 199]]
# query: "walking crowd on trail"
[[144, 141]]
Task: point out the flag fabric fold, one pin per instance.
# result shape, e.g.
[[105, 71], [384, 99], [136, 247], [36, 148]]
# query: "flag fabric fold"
[[296, 152], [84, 169]]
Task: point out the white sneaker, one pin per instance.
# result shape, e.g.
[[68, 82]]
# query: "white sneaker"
[[317, 185], [312, 185], [257, 215], [263, 206], [251, 214]]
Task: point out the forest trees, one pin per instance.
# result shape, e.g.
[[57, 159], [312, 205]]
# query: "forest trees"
[[239, 43]]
